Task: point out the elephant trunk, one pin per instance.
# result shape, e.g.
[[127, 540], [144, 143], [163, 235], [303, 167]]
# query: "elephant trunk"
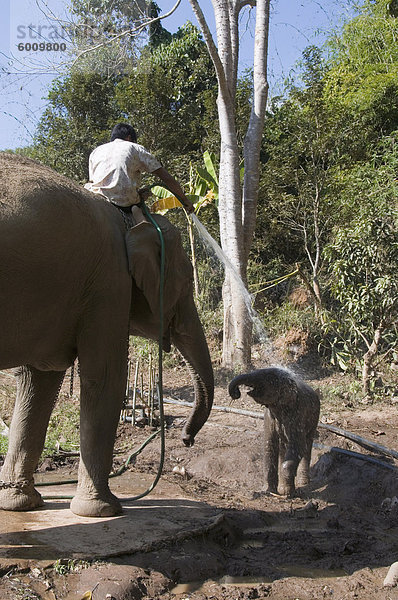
[[188, 337], [233, 388]]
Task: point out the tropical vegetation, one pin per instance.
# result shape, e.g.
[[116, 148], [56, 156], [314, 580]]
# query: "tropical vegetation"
[[327, 203]]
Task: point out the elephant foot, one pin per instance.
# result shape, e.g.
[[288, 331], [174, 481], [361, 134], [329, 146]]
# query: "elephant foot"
[[84, 506], [302, 481], [19, 496], [287, 490]]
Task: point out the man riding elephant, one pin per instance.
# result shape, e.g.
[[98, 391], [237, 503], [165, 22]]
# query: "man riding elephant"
[[115, 171]]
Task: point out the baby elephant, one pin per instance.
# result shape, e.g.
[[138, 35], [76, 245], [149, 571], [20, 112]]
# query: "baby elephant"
[[291, 413]]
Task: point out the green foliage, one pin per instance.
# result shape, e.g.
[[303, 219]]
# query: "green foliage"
[[63, 566], [302, 143], [286, 316], [80, 114], [364, 259], [207, 177], [157, 33], [3, 445], [202, 190], [166, 96], [363, 78], [63, 429], [107, 34], [329, 186], [209, 301]]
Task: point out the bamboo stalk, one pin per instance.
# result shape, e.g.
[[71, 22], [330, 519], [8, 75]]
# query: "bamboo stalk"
[[137, 366]]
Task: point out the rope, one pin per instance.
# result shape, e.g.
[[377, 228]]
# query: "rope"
[[273, 282]]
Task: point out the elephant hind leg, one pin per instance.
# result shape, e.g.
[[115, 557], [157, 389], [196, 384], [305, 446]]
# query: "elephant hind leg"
[[101, 402], [288, 470], [303, 471], [37, 392]]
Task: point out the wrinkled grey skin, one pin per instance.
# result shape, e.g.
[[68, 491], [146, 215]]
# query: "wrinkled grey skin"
[[66, 292], [291, 413]]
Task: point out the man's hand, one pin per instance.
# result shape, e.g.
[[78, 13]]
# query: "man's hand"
[[173, 185], [144, 193], [187, 204]]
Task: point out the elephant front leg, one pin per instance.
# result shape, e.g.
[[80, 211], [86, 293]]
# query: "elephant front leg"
[[101, 402], [37, 392], [303, 471], [288, 470], [271, 451]]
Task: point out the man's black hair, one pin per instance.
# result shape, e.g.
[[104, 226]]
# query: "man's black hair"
[[123, 131]]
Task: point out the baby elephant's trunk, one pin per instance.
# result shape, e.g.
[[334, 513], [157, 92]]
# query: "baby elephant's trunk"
[[233, 388]]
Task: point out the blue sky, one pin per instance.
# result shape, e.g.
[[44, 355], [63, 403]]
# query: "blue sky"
[[294, 25]]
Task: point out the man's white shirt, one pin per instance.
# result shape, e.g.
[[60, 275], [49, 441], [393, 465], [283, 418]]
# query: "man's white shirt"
[[115, 171]]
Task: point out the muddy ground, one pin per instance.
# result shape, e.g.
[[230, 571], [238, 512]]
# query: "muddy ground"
[[336, 540]]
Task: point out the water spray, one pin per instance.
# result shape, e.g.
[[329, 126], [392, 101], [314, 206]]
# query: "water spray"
[[247, 298]]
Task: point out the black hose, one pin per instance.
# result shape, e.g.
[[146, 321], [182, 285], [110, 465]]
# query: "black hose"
[[358, 455]]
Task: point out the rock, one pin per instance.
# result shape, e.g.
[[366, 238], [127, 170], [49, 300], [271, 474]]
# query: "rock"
[[389, 503], [180, 470], [310, 509], [392, 576]]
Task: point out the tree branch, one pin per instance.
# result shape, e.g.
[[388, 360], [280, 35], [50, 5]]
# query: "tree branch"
[[211, 46], [127, 32], [359, 332], [244, 3]]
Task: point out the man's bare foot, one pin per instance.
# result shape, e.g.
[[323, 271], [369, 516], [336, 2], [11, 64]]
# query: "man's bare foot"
[[138, 215]]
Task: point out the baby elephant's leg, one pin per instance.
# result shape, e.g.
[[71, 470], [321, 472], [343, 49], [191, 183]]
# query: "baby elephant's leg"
[[303, 471], [271, 452], [288, 471]]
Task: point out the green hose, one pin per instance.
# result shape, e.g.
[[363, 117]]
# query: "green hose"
[[159, 388], [160, 351]]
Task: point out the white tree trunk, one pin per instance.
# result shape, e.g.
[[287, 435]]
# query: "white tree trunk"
[[254, 132], [237, 209]]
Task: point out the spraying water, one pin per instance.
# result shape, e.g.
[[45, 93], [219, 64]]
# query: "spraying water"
[[212, 244]]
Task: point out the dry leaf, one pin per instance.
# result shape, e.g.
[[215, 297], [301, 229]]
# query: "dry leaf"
[[165, 204]]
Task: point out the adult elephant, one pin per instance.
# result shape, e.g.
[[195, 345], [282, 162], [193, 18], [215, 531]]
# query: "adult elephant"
[[66, 292]]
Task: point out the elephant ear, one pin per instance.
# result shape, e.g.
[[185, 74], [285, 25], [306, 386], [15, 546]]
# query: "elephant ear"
[[143, 252], [144, 249]]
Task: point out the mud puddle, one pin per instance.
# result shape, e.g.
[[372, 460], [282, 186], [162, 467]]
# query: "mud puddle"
[[249, 581]]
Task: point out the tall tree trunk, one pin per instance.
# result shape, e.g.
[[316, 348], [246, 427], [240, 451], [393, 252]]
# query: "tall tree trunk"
[[237, 210], [254, 132], [236, 347]]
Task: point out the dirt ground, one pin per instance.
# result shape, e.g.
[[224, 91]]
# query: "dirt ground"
[[336, 540]]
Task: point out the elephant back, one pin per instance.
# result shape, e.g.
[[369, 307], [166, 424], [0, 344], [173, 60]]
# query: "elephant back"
[[22, 177]]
